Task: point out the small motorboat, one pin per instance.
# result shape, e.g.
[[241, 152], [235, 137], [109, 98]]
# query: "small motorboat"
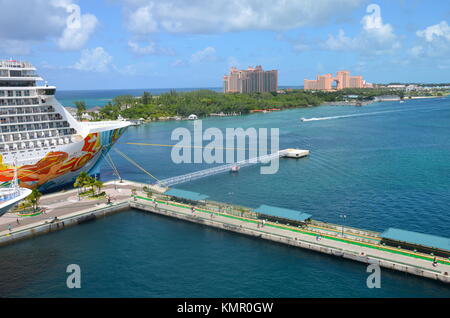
[[234, 169], [302, 119]]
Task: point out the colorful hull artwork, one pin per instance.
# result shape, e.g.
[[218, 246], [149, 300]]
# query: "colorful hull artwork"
[[61, 167]]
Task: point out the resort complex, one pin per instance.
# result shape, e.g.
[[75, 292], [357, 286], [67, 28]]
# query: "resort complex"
[[341, 81]]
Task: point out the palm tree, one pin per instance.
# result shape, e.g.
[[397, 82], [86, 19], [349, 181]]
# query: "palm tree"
[[82, 181], [99, 185], [81, 108], [34, 198], [90, 182]]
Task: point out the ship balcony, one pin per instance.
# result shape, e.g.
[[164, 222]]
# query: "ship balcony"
[[37, 129], [36, 144], [9, 101], [36, 119]]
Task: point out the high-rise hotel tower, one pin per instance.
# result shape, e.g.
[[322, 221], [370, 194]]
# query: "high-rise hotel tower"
[[251, 80]]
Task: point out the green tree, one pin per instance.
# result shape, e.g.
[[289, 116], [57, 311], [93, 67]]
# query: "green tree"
[[146, 98], [99, 185], [81, 108], [34, 198], [82, 181]]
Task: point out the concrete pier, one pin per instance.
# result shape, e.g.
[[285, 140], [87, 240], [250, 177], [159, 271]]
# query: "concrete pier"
[[320, 240], [350, 243]]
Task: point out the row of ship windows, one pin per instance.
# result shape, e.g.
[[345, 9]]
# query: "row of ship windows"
[[36, 135], [10, 83], [33, 127], [19, 101], [29, 118], [18, 73], [26, 110], [11, 93]]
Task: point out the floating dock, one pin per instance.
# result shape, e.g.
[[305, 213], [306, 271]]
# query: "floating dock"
[[393, 249], [295, 153]]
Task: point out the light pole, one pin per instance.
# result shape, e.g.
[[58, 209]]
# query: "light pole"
[[343, 217]]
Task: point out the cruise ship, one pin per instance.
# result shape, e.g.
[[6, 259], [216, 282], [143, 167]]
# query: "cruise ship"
[[40, 138]]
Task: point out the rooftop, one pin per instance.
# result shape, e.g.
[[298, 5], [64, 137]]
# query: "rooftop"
[[428, 240], [283, 213]]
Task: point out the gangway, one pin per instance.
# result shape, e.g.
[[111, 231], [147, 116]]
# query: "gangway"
[[220, 169], [165, 183]]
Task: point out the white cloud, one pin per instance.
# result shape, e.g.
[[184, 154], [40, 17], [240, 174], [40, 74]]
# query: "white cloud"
[[199, 16], [30, 22], [177, 62], [440, 31], [433, 45], [341, 42], [434, 41], [207, 54], [149, 48], [74, 38], [141, 20], [375, 37], [96, 60]]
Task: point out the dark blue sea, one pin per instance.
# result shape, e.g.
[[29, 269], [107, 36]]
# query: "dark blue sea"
[[383, 165]]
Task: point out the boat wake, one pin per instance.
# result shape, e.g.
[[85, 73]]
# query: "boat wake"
[[359, 115]]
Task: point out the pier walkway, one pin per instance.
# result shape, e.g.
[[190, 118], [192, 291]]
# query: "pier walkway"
[[219, 169], [343, 246], [355, 244]]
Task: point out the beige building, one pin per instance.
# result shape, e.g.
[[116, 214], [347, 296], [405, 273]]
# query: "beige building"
[[343, 80], [251, 80]]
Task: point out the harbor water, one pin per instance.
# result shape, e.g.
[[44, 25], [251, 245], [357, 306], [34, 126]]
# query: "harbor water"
[[382, 165]]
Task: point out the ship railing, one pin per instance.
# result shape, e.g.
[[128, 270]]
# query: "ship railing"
[[16, 64]]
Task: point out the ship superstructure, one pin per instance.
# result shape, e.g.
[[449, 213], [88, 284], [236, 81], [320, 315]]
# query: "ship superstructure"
[[49, 146]]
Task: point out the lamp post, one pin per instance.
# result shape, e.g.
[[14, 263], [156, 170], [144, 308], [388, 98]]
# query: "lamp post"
[[343, 217]]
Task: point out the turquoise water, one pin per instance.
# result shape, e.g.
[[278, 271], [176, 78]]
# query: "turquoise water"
[[382, 165]]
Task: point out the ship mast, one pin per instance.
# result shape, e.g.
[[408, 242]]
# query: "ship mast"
[[15, 183]]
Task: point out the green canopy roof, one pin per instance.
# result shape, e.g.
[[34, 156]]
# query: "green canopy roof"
[[186, 194], [428, 240], [283, 213]]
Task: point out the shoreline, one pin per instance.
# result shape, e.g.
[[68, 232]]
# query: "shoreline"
[[352, 103]]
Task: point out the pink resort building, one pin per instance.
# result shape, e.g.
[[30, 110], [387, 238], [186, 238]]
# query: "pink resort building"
[[342, 80], [250, 80]]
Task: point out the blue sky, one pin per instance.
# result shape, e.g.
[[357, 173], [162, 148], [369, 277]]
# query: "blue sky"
[[115, 44]]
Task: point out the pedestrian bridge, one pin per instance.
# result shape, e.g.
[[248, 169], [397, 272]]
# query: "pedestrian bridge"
[[216, 170]]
